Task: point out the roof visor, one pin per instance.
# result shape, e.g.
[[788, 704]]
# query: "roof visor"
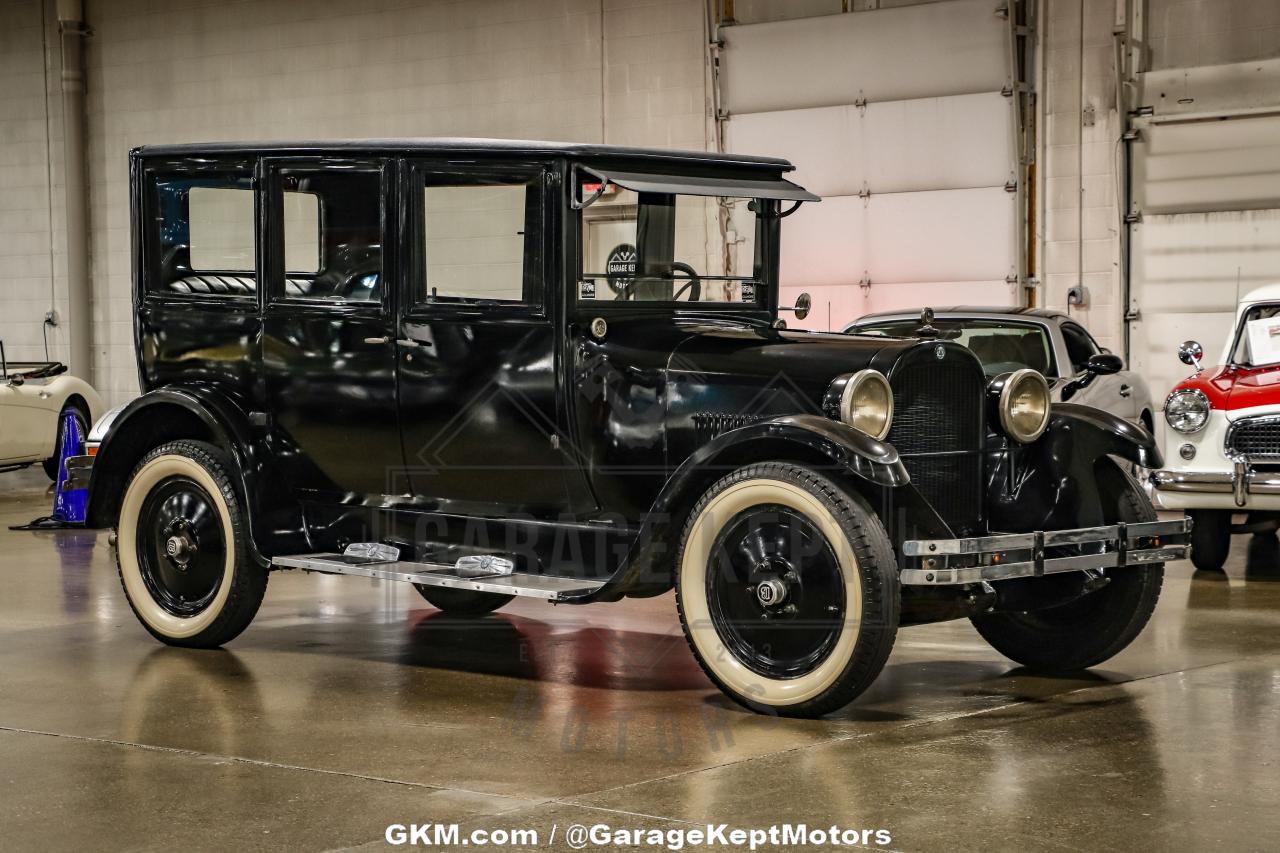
[[775, 188]]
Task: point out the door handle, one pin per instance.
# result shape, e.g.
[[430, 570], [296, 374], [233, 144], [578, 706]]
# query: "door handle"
[[410, 342], [1125, 391], [382, 340]]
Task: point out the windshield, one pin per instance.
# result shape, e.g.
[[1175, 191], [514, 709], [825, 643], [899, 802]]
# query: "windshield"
[[659, 247], [1002, 347], [1258, 336]]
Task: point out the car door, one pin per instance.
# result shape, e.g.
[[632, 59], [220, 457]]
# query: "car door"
[[481, 402], [28, 421], [328, 352], [1110, 393]]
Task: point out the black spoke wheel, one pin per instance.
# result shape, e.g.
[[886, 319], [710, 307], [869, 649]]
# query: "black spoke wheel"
[[787, 589], [1092, 629], [181, 550], [775, 591], [183, 547]]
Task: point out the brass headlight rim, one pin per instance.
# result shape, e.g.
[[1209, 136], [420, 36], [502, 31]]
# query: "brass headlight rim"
[[1006, 403], [850, 388]]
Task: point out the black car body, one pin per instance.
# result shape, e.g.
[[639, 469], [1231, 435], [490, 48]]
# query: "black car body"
[[384, 389]]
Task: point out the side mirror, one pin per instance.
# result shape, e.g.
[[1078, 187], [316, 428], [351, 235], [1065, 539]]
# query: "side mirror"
[[1104, 363], [803, 306], [16, 381], [1191, 353]]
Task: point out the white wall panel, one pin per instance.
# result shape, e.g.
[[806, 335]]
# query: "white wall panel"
[[944, 235], [953, 48], [1231, 164], [1188, 271], [954, 142]]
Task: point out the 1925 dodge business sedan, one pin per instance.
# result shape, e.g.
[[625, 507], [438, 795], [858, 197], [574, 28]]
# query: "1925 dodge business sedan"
[[494, 369]]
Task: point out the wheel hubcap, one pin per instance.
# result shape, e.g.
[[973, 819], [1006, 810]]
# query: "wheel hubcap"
[[181, 548], [775, 591]]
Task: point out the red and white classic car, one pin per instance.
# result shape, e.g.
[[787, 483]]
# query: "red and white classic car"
[[1222, 445]]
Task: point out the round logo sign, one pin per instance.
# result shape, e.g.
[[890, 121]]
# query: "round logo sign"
[[940, 352], [620, 267]]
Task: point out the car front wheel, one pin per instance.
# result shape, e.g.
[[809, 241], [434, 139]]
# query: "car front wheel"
[[787, 590], [182, 548], [1092, 629], [1210, 538]]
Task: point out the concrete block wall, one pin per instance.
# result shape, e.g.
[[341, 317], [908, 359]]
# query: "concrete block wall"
[[32, 249], [618, 71], [1081, 224]]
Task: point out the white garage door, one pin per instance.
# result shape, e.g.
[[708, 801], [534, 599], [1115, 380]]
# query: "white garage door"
[[1209, 196], [896, 118]]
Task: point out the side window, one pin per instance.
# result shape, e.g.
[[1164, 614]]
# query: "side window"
[[205, 235], [330, 223], [1079, 346], [481, 239]]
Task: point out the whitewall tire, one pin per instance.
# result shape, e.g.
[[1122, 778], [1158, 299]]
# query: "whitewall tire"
[[182, 548], [787, 589]]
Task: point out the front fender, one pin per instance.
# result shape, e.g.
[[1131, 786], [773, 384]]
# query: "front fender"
[[1102, 433], [829, 445], [1051, 484]]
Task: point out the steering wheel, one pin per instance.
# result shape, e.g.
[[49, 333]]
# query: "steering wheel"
[[693, 285]]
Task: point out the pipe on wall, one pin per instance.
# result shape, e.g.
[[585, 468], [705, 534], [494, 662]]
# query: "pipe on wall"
[[72, 28]]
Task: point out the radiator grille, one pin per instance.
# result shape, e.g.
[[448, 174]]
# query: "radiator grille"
[[1256, 438], [938, 429]]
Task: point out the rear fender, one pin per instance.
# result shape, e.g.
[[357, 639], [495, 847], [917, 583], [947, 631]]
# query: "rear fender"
[[274, 519]]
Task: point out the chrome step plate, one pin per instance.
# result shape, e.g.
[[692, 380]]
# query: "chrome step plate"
[[547, 587]]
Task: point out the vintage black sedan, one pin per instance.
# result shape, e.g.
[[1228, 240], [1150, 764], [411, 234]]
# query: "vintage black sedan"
[[493, 369]]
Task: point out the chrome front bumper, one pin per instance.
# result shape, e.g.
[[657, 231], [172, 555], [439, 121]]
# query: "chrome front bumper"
[[1241, 482], [944, 562]]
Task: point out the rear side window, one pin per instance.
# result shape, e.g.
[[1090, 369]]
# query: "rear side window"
[[479, 238], [205, 235]]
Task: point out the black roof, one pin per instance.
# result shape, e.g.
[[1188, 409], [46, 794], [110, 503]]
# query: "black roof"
[[573, 150]]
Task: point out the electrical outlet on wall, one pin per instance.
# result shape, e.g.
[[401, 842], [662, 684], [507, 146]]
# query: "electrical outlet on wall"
[[1077, 296]]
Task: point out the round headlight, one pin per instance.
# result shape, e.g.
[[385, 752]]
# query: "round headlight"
[[1024, 405], [866, 403], [1187, 410]]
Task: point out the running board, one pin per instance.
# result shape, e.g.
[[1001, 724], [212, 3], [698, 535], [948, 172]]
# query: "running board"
[[546, 587]]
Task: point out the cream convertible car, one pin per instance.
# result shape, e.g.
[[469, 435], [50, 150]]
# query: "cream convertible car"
[[34, 397]]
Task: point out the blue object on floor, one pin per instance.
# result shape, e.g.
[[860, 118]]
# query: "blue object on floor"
[[69, 506]]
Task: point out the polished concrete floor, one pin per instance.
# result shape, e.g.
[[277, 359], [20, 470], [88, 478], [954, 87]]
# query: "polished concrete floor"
[[351, 705]]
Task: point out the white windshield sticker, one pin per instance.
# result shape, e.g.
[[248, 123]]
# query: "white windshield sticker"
[[1264, 340]]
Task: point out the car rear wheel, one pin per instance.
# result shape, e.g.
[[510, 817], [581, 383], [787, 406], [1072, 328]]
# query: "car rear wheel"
[[182, 548], [1092, 629], [462, 602], [787, 590], [52, 464], [1210, 538]]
